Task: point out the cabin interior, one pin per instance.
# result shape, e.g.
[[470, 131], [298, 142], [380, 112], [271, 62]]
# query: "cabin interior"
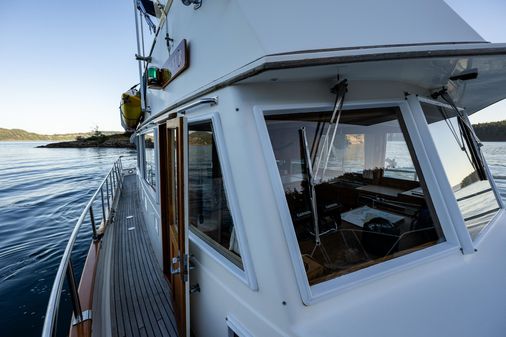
[[369, 202]]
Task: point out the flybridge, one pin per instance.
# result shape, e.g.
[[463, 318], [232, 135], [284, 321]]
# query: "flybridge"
[[250, 39]]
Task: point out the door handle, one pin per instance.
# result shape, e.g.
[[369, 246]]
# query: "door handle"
[[195, 288], [191, 265]]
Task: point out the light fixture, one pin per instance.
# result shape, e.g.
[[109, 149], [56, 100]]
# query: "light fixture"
[[196, 3]]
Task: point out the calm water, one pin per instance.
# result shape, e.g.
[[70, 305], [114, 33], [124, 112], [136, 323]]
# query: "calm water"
[[42, 193]]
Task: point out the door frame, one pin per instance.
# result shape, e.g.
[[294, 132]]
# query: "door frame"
[[179, 280]]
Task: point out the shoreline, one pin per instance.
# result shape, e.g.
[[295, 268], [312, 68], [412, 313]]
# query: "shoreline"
[[96, 141]]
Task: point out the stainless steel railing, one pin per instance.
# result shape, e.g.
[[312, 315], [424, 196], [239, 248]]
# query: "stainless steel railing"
[[107, 192]]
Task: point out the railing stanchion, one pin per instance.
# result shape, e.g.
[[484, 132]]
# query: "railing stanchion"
[[107, 190], [103, 205], [74, 295], [112, 187], [92, 219], [118, 178], [115, 179], [113, 184]]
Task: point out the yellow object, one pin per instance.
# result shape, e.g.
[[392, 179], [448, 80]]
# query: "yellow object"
[[130, 108]]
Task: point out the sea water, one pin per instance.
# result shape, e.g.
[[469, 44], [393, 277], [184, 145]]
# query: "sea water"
[[42, 194]]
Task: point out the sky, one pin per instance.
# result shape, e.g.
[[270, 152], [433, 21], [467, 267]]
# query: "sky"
[[64, 64]]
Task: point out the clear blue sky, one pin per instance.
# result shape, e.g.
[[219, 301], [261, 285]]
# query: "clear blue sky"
[[64, 64]]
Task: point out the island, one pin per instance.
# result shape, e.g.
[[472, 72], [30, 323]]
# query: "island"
[[121, 140], [491, 132], [94, 138]]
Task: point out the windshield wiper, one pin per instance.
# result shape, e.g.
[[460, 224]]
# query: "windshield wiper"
[[467, 135], [312, 193]]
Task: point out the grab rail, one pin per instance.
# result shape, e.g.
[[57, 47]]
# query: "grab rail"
[[112, 184]]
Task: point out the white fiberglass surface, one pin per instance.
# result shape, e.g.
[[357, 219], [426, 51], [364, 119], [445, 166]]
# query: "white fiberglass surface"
[[462, 161]]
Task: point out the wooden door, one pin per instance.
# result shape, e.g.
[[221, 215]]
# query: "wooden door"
[[175, 218]]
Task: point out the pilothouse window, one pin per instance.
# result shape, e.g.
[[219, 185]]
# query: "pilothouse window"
[[209, 212], [463, 164], [149, 159], [354, 195]]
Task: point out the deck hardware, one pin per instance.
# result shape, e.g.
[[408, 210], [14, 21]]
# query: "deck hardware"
[[143, 58], [196, 3], [74, 294], [189, 265], [92, 221], [169, 113], [86, 315], [175, 259], [195, 288], [210, 100], [107, 192], [103, 205], [186, 267], [169, 40], [467, 75]]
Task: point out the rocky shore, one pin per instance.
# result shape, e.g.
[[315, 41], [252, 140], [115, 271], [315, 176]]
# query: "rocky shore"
[[100, 140]]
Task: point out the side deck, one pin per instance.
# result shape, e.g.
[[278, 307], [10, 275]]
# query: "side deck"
[[132, 296]]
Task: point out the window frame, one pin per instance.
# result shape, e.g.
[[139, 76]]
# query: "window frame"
[[234, 326], [149, 189], [247, 274], [312, 294], [468, 244]]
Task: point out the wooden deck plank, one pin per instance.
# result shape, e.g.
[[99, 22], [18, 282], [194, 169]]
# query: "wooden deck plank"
[[140, 296], [154, 281], [118, 302], [142, 293]]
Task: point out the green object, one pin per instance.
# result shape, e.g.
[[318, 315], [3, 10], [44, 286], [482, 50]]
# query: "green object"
[[152, 73]]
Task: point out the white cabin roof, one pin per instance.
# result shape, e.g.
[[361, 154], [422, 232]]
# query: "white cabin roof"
[[286, 26], [231, 40]]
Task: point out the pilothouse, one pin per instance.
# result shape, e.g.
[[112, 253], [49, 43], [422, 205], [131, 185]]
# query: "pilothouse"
[[309, 169]]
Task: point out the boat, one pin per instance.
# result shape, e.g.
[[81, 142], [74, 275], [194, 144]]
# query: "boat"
[[130, 109], [314, 173]]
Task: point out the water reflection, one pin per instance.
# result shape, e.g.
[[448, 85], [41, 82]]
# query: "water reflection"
[[473, 191]]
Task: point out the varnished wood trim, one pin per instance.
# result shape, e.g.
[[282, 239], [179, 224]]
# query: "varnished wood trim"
[[164, 192], [86, 285]]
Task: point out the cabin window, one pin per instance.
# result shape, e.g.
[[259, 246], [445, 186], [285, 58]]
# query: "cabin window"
[[209, 212], [354, 195], [460, 155], [149, 159]]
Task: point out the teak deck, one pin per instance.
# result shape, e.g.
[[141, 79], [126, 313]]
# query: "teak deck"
[[132, 296]]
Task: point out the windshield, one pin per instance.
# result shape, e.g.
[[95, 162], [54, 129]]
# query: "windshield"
[[463, 165], [355, 197]]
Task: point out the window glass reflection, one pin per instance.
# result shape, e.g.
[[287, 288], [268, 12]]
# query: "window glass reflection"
[[149, 159], [352, 190], [465, 172], [209, 213]]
